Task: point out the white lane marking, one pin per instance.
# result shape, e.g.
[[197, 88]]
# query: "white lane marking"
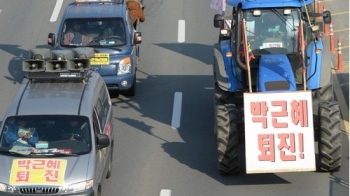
[[175, 122], [165, 192], [181, 31], [56, 10]]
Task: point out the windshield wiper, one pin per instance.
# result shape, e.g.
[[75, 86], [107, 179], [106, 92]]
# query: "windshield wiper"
[[16, 150], [117, 49], [54, 154]]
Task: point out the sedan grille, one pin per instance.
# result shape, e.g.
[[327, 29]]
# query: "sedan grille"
[[39, 190]]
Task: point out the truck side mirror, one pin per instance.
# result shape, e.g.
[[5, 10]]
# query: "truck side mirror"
[[218, 21], [51, 39], [327, 18], [137, 38]]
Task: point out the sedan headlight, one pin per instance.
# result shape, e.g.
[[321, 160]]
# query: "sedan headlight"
[[6, 188], [124, 66], [77, 187]]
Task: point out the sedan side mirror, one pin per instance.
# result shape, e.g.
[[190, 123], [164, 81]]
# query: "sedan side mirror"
[[102, 141]]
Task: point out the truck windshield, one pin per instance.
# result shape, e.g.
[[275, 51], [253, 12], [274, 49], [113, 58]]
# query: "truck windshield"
[[47, 134], [272, 29], [107, 32]]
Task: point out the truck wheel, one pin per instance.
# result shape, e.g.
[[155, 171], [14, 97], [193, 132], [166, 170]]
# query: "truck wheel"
[[329, 143], [113, 93], [227, 139], [131, 91], [99, 190]]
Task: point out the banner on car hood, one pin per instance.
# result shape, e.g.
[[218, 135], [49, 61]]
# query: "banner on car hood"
[[38, 172]]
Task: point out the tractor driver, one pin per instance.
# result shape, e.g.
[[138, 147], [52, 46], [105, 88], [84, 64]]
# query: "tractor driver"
[[273, 25]]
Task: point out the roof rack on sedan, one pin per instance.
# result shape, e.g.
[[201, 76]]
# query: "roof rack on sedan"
[[99, 1], [58, 64]]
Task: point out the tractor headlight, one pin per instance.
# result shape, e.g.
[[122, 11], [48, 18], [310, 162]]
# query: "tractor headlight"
[[6, 188], [77, 187], [124, 66]]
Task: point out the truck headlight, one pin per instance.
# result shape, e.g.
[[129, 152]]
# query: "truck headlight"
[[6, 188], [77, 187], [124, 66]]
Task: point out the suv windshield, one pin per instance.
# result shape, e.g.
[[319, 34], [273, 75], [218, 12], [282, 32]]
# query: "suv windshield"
[[49, 134], [107, 32], [273, 29]]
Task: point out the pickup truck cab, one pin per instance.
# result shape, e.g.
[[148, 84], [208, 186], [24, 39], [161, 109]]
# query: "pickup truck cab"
[[106, 27]]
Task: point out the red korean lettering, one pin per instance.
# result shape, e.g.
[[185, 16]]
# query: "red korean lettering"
[[24, 163], [259, 111], [51, 175], [266, 143], [284, 146], [22, 176], [299, 113], [38, 164], [53, 164], [301, 145], [282, 113]]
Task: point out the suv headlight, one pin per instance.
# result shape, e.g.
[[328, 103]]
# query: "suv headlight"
[[6, 188], [77, 187], [124, 66]]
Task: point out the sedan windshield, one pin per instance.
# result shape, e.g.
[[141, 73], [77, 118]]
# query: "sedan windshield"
[[107, 32], [46, 135]]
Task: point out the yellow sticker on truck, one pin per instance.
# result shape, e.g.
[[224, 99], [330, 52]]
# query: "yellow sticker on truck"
[[38, 172], [100, 59]]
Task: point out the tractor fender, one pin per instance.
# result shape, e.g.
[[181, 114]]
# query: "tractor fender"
[[326, 71], [319, 64], [220, 75], [275, 73], [226, 74]]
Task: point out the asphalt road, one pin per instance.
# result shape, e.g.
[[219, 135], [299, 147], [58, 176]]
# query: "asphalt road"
[[152, 158]]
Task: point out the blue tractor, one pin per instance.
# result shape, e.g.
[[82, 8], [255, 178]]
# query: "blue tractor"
[[273, 47]]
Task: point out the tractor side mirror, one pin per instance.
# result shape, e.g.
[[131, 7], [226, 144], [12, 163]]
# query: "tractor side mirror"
[[327, 18], [218, 21]]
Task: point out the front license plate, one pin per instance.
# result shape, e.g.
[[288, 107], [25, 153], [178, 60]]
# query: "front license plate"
[[100, 59]]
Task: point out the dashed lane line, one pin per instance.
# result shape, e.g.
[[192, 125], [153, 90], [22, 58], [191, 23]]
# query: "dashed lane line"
[[165, 192], [176, 119], [56, 10], [340, 13], [340, 30]]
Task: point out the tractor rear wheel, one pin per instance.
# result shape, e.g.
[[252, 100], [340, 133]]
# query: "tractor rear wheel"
[[325, 93], [329, 143], [227, 139]]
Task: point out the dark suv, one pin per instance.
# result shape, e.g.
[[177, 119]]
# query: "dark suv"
[[106, 27]]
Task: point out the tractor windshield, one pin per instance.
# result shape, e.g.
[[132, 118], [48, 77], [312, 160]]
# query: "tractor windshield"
[[272, 30]]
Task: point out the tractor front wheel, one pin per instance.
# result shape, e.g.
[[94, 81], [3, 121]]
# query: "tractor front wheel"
[[227, 139]]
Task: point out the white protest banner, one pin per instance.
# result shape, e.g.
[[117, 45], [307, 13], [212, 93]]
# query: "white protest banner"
[[279, 132]]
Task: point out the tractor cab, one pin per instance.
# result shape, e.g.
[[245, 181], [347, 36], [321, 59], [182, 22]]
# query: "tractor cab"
[[279, 33]]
